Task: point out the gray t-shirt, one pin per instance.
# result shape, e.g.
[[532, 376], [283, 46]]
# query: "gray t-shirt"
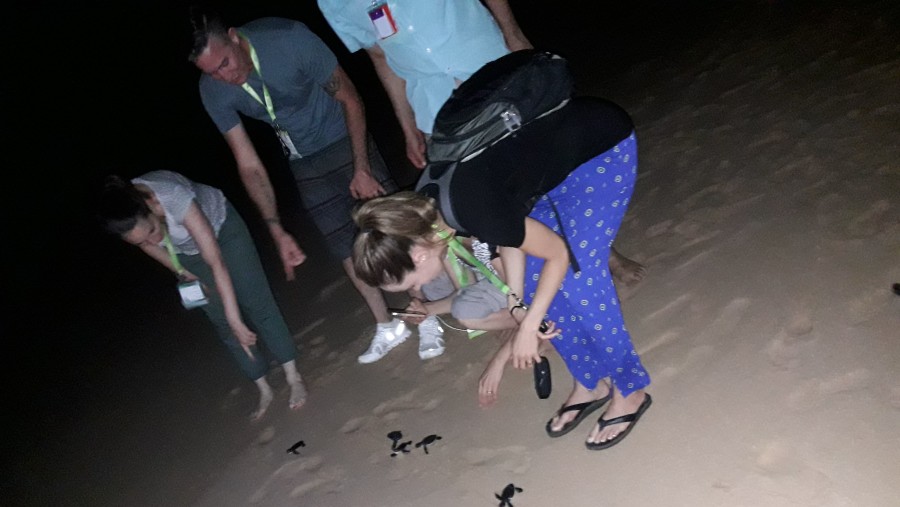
[[295, 65], [175, 193]]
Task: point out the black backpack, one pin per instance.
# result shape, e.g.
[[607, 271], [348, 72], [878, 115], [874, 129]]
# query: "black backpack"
[[500, 98]]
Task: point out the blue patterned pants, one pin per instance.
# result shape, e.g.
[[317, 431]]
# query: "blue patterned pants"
[[591, 203]]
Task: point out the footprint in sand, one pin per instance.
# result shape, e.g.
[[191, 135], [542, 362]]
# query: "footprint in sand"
[[265, 436], [833, 210], [658, 229], [300, 334], [669, 309], [729, 318], [392, 410], [850, 381], [866, 306], [815, 392], [353, 425], [796, 478], [327, 480], [783, 351], [330, 289], [663, 339], [513, 459], [306, 469], [870, 221]]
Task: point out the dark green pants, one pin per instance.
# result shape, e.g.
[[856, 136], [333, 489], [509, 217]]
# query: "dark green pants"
[[254, 296]]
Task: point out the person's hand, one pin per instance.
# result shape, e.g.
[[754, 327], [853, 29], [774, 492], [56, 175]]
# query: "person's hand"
[[415, 306], [517, 41], [415, 149], [525, 348], [187, 276], [550, 333], [291, 254], [364, 186], [245, 337]]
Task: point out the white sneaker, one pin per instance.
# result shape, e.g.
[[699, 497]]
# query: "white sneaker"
[[387, 336], [431, 341]]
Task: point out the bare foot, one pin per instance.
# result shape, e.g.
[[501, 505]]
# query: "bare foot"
[[579, 394], [618, 407], [298, 395], [625, 271], [265, 398]]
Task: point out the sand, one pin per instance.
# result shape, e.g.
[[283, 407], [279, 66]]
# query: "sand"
[[767, 212]]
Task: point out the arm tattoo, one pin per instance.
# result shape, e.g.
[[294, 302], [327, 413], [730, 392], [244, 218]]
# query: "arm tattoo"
[[333, 85]]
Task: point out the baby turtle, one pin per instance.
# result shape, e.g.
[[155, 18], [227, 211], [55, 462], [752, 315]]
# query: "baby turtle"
[[508, 492], [293, 449], [400, 448], [395, 437], [427, 441]]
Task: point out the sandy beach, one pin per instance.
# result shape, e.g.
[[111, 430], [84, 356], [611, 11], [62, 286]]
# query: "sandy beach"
[[767, 213]]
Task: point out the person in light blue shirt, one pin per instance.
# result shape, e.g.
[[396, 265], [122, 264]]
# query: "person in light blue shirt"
[[423, 50]]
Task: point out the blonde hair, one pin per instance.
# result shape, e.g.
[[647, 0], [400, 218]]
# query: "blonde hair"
[[388, 229]]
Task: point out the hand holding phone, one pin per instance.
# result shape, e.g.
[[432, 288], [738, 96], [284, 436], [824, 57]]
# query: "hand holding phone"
[[414, 313], [401, 312]]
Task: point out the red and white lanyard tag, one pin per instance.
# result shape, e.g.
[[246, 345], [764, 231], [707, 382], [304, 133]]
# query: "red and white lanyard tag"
[[382, 20], [289, 149]]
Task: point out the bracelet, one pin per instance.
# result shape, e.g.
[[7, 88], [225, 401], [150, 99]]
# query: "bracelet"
[[520, 305], [273, 220]]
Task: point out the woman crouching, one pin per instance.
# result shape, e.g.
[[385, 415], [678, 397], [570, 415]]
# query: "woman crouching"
[[552, 198]]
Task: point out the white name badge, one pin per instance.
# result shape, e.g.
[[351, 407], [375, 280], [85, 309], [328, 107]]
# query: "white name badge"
[[382, 20], [192, 294], [289, 149]]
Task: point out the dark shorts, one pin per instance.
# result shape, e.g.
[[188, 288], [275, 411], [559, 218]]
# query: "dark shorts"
[[323, 180]]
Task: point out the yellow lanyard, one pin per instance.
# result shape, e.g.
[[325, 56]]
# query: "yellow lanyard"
[[270, 108]]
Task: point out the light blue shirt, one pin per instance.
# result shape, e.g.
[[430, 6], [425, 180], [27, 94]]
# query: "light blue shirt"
[[438, 44]]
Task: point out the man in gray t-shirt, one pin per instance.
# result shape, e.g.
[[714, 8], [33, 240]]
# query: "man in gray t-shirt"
[[277, 71]]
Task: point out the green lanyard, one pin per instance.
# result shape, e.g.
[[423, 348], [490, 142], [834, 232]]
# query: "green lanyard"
[[458, 250], [249, 89], [172, 255]]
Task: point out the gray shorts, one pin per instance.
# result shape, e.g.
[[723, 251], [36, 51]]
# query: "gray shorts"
[[323, 180], [472, 302]]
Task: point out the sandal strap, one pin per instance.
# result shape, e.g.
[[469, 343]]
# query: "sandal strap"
[[578, 406], [616, 420]]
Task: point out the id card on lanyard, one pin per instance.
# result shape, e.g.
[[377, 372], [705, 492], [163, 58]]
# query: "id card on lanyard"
[[287, 145], [382, 20]]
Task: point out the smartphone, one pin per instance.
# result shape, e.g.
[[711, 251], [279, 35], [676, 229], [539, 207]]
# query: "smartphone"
[[402, 312]]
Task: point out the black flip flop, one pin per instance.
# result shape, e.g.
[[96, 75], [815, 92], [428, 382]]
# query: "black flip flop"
[[584, 410], [628, 418]]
